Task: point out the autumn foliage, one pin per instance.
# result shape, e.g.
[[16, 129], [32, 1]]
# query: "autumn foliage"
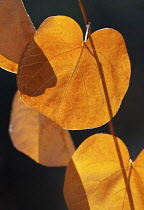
[[70, 82], [59, 73], [94, 179]]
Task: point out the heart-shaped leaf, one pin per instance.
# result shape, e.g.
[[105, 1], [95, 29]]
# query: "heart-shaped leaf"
[[77, 100], [94, 179]]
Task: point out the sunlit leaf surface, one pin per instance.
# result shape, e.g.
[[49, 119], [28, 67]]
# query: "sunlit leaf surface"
[[94, 177], [77, 99]]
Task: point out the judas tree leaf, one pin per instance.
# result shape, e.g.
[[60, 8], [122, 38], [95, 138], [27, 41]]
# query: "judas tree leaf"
[[77, 100], [16, 30], [94, 178], [38, 137]]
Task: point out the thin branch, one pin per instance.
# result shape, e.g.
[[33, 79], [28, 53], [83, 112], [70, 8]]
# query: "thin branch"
[[83, 12], [84, 15], [110, 124]]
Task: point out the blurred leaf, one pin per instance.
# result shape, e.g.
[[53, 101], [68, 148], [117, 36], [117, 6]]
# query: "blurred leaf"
[[38, 137], [16, 31], [77, 99], [94, 178]]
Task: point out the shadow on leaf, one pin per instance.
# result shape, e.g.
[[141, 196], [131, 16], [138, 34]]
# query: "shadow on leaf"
[[35, 73]]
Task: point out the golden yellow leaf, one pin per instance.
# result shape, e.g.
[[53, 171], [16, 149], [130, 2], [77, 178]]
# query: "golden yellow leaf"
[[16, 31], [77, 100], [38, 137], [95, 168]]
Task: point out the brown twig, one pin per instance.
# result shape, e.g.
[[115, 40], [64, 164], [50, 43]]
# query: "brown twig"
[[110, 124], [84, 14]]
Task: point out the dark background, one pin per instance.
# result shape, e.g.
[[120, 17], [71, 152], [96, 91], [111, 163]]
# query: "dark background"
[[25, 185]]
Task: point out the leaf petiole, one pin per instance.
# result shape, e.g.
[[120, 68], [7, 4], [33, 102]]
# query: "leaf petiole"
[[87, 31]]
